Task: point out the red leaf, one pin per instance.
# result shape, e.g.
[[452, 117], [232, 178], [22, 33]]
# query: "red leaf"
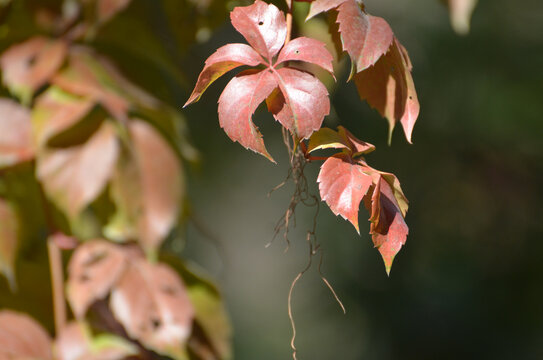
[[366, 38], [319, 6], [21, 337], [388, 228], [263, 26], [308, 50], [358, 147], [94, 269], [389, 88], [151, 303], [161, 184], [73, 177], [15, 133], [223, 60], [343, 184], [29, 65], [239, 101], [302, 102]]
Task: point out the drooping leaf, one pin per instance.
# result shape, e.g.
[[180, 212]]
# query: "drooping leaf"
[[9, 229], [308, 50], [29, 65], [302, 102], [327, 138], [161, 182], [73, 177], [343, 184], [388, 228], [460, 14], [21, 337], [95, 267], [76, 342], [389, 88], [55, 111], [223, 60], [15, 133], [263, 26], [237, 104], [151, 303], [319, 6]]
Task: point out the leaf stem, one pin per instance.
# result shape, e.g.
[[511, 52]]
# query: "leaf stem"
[[289, 20], [57, 281]]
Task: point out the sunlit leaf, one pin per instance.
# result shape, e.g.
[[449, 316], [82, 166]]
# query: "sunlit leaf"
[[309, 50], [95, 267], [319, 6], [389, 88], [15, 133], [263, 26], [76, 342], [73, 177], [327, 138], [21, 338], [29, 65], [9, 234]]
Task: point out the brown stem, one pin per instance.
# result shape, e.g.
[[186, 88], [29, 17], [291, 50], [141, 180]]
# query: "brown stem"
[[57, 281], [289, 20]]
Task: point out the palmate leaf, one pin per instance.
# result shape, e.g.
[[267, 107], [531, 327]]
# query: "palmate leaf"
[[345, 179], [148, 299], [297, 99]]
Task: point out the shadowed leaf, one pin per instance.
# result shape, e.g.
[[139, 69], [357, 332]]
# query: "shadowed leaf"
[[237, 104], [151, 303], [319, 6], [29, 65], [389, 88], [94, 269], [21, 338], [73, 177], [327, 138], [263, 26], [15, 133]]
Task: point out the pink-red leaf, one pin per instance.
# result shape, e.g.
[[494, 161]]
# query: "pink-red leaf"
[[223, 60], [29, 65], [152, 304], [389, 88], [21, 337], [343, 184], [263, 26], [308, 50], [73, 177], [160, 181], [319, 6], [366, 38], [358, 147], [15, 133], [302, 102], [94, 269], [239, 101]]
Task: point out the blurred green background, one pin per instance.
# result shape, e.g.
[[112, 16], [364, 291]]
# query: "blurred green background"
[[468, 283]]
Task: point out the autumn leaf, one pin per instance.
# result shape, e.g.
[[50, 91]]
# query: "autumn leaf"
[[21, 337], [151, 303], [9, 234], [389, 88], [29, 65], [15, 133], [297, 99], [73, 177], [327, 138], [95, 267], [76, 342]]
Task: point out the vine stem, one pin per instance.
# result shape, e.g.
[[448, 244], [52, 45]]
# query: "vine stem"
[[57, 281], [289, 20]]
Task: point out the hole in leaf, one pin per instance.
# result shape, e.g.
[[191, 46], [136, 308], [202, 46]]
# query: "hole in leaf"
[[84, 278], [297, 52], [156, 323], [31, 61], [410, 97], [261, 23]]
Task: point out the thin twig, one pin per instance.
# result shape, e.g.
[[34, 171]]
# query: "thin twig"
[[57, 281], [289, 20]]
